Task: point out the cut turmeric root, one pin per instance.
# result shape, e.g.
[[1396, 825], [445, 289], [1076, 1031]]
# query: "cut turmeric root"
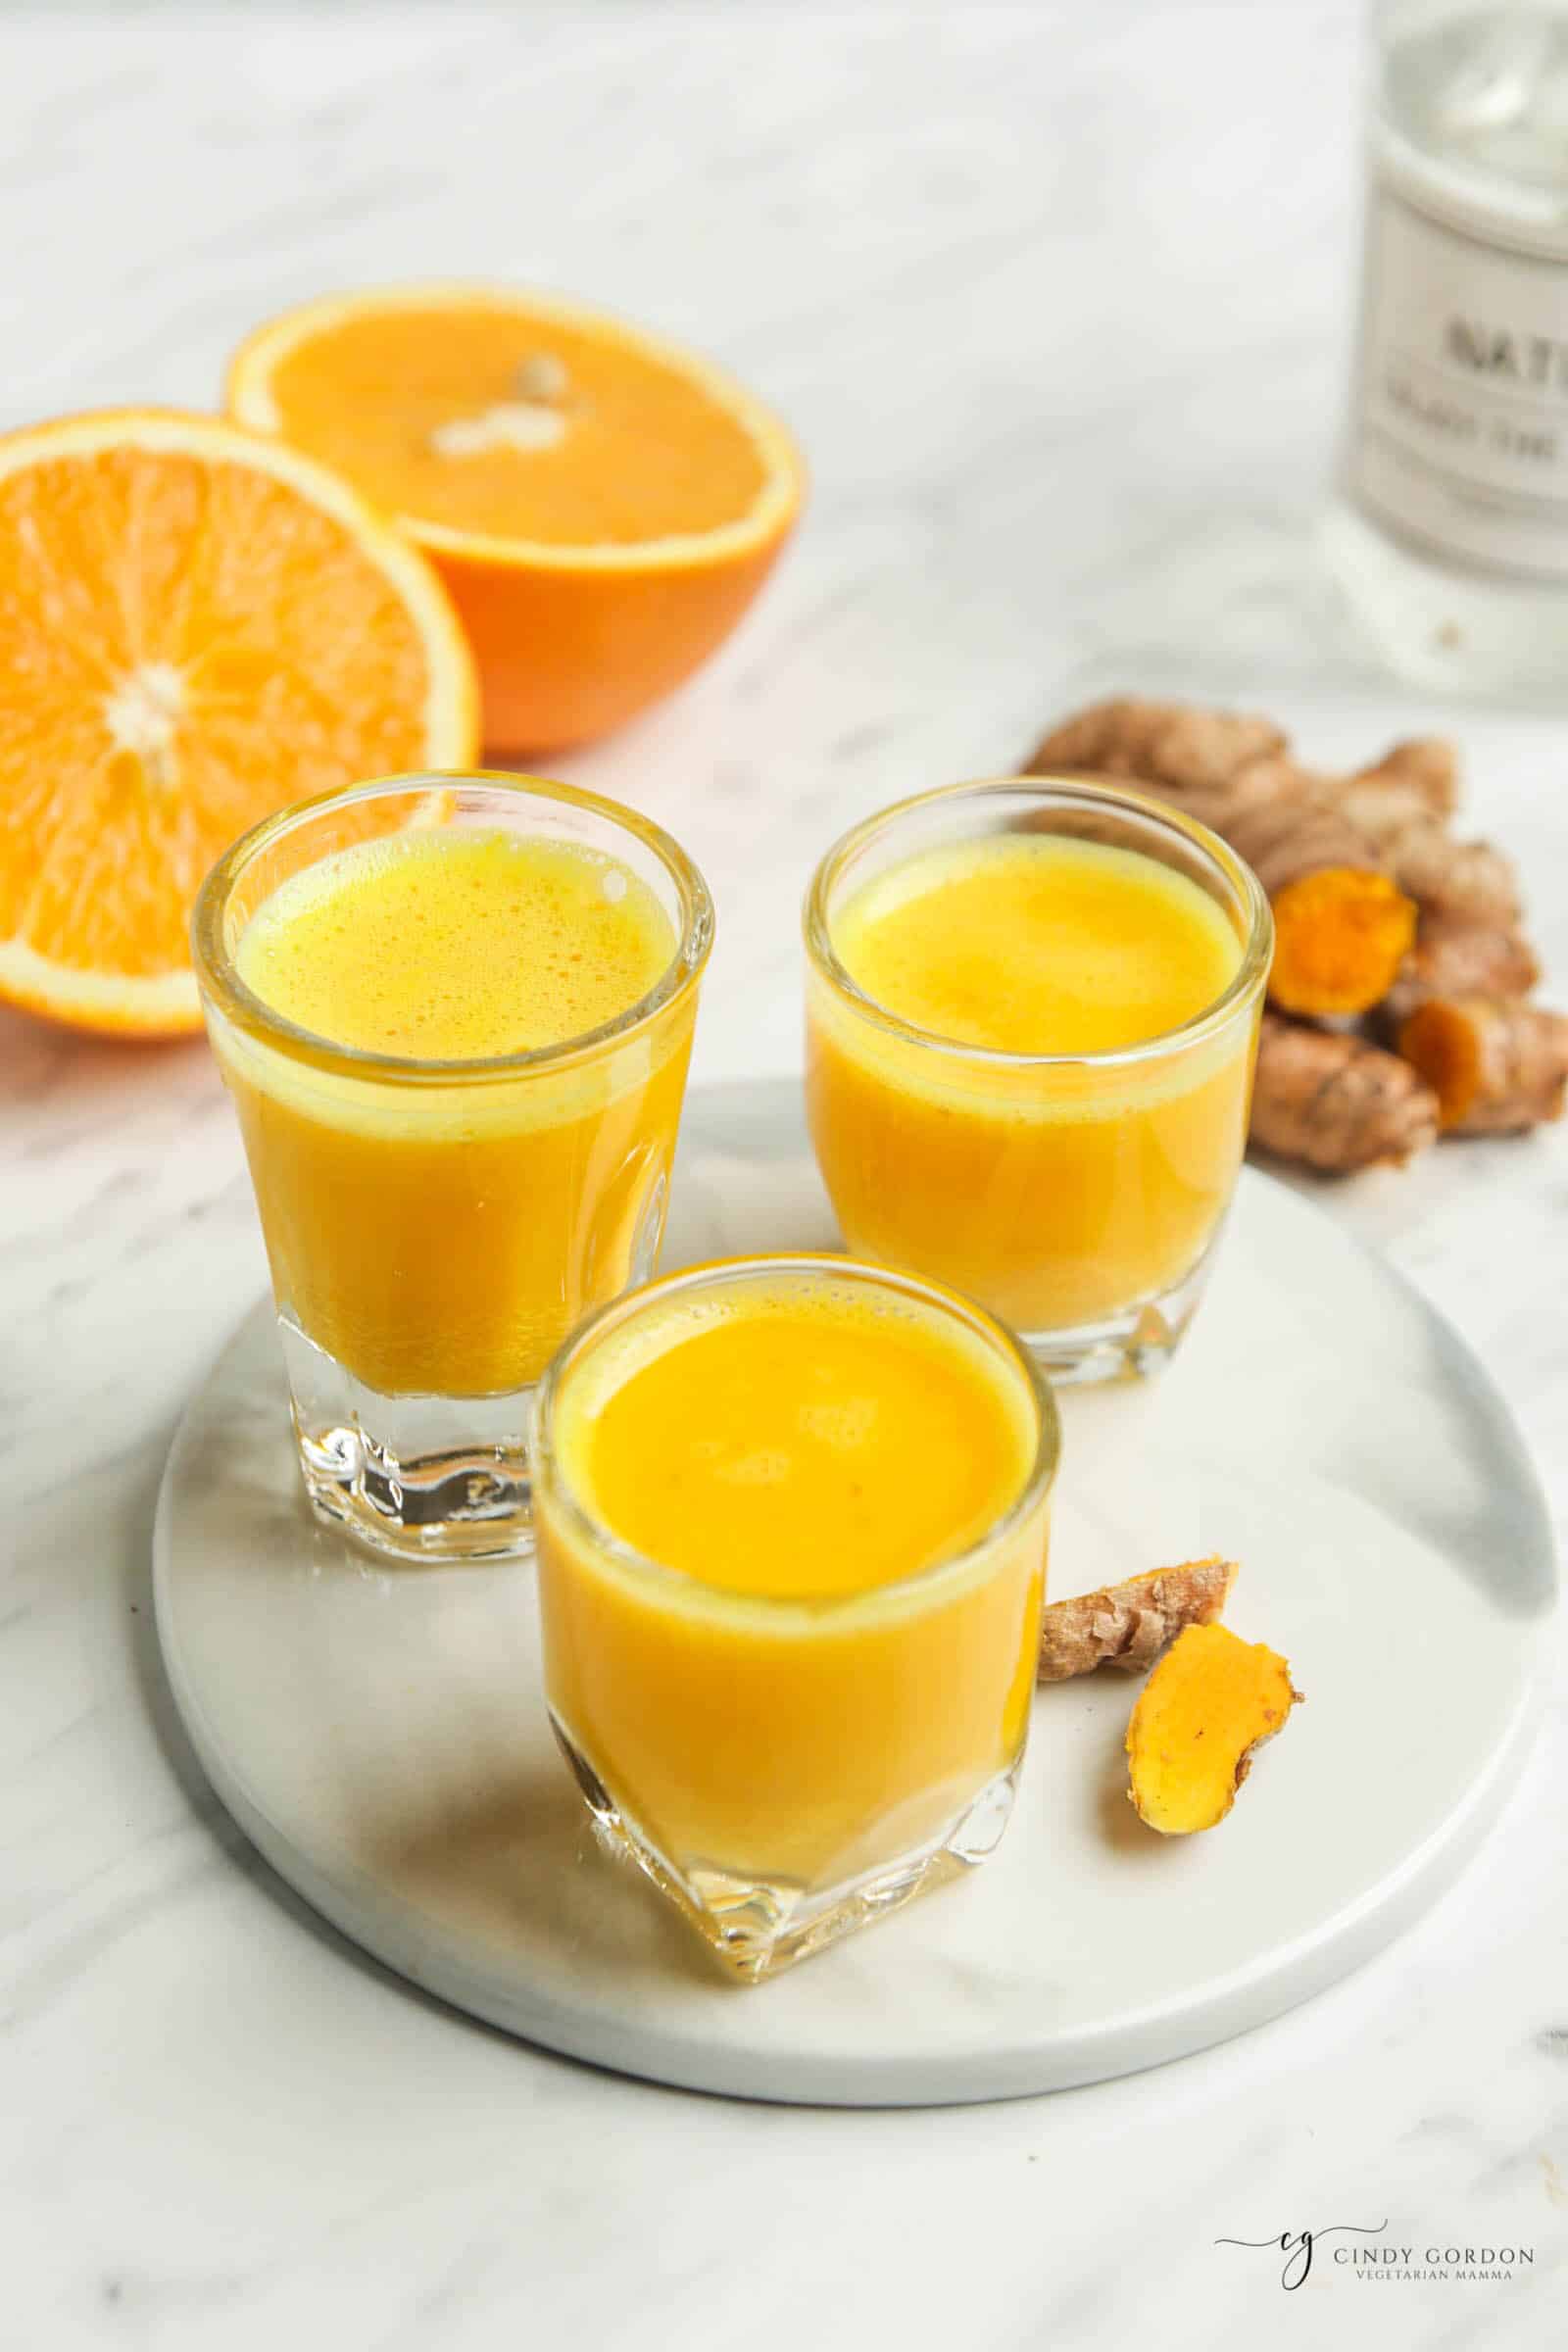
[[1495, 1067], [1212, 1701], [1128, 1625], [1341, 934], [1342, 924]]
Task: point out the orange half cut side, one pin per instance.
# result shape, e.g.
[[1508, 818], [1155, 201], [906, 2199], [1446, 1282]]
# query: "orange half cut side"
[[197, 626], [601, 503]]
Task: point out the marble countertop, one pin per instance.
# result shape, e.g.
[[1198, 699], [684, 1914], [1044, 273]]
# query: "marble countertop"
[[1058, 302]]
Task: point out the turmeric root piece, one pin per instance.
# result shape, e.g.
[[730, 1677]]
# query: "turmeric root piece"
[[1454, 957], [1175, 744], [1342, 925], [1415, 780], [1209, 1703], [1340, 937], [1470, 880], [1186, 747], [1128, 1625], [1495, 1068], [1268, 802], [1335, 1102], [1398, 814], [1284, 833]]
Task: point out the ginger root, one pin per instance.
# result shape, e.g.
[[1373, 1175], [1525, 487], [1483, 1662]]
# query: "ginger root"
[[1209, 1703], [1334, 1100], [1128, 1625], [1495, 1067]]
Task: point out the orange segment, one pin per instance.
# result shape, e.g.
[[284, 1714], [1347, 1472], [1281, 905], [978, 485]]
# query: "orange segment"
[[602, 505], [197, 627]]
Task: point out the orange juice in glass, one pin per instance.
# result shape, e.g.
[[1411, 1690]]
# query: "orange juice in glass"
[[454, 1014], [792, 1521], [1032, 1014]]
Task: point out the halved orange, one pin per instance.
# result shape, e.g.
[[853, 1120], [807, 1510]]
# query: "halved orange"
[[602, 505], [196, 627]]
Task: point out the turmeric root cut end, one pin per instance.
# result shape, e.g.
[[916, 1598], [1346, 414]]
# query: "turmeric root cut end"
[[1495, 1066], [1341, 935], [1213, 1699], [1439, 1042]]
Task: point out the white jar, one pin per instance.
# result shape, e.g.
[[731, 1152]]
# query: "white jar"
[[1449, 530]]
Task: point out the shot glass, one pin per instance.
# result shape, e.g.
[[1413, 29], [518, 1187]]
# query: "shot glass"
[[434, 1228], [788, 1768], [1078, 1196]]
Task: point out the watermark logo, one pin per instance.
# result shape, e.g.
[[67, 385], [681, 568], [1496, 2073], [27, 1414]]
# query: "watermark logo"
[[1297, 2246], [1368, 2258]]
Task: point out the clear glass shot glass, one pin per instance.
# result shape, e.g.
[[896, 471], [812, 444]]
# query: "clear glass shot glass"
[[434, 1228], [1078, 1196], [788, 1769]]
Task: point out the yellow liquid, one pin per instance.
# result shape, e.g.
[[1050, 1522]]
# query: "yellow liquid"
[[448, 947], [1038, 946], [1056, 1195], [441, 1236], [807, 1444]]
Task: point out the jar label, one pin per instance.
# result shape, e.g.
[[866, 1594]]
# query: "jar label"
[[1459, 424]]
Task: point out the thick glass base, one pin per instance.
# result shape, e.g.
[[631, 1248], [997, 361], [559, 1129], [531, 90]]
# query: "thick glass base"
[[416, 1478], [755, 1928], [1136, 1341]]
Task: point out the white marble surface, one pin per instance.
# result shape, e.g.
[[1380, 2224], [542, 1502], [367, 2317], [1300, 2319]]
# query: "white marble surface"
[[1058, 299]]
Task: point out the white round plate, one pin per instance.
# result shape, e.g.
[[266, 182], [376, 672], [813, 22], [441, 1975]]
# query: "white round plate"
[[378, 1732]]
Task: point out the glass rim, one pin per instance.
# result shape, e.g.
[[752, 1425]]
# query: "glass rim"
[[770, 1607], [219, 980], [1246, 983]]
